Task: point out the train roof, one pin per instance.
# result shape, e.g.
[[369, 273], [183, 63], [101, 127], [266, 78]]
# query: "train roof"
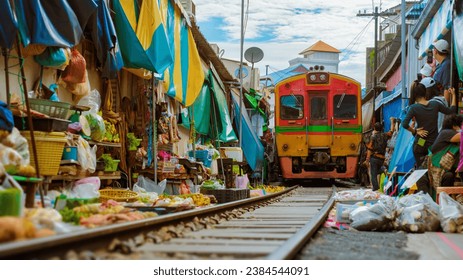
[[305, 73]]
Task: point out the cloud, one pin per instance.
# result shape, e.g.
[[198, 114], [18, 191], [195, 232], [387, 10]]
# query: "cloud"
[[282, 29]]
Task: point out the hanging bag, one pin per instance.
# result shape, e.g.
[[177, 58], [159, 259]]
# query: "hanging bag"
[[75, 72]]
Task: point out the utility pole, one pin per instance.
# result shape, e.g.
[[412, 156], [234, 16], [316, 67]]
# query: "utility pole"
[[375, 15]]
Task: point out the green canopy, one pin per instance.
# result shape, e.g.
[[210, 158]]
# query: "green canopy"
[[219, 126]]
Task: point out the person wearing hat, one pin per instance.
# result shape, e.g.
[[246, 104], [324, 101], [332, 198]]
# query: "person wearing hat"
[[434, 95], [425, 114], [442, 73]]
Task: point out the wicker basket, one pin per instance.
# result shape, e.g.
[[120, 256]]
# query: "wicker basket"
[[50, 147], [118, 195], [53, 109]]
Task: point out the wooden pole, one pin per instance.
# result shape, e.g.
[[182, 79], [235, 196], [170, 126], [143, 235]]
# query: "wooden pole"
[[29, 119]]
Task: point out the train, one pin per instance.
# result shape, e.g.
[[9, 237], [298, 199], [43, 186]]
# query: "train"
[[318, 125]]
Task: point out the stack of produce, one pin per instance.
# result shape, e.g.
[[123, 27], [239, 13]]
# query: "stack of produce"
[[268, 188], [99, 214]]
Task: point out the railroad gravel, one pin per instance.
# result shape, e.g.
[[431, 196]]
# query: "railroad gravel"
[[334, 244]]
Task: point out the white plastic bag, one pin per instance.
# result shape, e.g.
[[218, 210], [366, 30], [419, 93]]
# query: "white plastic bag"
[[86, 155], [151, 186], [451, 214], [92, 100]]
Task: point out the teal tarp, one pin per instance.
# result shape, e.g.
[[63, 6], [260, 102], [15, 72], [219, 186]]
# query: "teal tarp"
[[222, 116], [202, 110]]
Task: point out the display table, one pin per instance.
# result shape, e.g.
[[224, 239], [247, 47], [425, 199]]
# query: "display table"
[[29, 185]]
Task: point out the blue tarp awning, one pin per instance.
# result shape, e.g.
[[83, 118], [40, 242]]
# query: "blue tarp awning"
[[104, 38], [8, 26], [53, 22], [387, 96], [439, 25], [277, 76], [252, 147]]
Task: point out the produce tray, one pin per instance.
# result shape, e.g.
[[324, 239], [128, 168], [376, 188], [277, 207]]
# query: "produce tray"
[[161, 210], [46, 124], [227, 195]]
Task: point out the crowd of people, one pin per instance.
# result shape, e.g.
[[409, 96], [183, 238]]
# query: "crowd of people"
[[433, 121]]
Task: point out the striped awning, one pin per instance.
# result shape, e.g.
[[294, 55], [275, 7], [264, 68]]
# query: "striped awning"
[[438, 26]]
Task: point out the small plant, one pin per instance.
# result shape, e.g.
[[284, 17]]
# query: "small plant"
[[109, 163], [133, 141]]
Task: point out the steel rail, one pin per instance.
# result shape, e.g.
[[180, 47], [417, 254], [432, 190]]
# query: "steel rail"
[[88, 236], [289, 249]]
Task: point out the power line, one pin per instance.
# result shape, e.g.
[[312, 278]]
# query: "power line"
[[355, 40]]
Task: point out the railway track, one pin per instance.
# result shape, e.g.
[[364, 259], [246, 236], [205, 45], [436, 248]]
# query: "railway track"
[[275, 226]]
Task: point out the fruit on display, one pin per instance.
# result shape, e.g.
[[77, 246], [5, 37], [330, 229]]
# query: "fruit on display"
[[268, 188], [199, 199]]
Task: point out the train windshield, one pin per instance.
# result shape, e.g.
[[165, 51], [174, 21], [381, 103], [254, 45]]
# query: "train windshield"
[[318, 108], [292, 107], [345, 106]]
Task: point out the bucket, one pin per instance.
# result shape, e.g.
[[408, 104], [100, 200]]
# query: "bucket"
[[70, 153]]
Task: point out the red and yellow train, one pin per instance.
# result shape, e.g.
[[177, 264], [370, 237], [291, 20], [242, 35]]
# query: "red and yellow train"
[[318, 125]]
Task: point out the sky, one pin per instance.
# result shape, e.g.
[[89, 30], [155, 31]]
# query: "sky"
[[284, 28]]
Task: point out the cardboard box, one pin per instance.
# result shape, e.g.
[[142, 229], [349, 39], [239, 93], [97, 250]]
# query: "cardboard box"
[[232, 152]]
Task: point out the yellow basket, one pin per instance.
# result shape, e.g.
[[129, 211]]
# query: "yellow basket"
[[118, 195], [50, 146]]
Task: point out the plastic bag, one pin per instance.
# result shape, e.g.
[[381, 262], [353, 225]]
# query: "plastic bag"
[[451, 214], [97, 126], [86, 155], [79, 89], [92, 100], [18, 142], [151, 186], [417, 218], [377, 217], [86, 188], [75, 72], [241, 182], [54, 57], [418, 198]]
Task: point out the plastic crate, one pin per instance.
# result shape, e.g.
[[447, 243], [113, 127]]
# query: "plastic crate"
[[227, 195], [50, 108], [50, 147], [202, 156]]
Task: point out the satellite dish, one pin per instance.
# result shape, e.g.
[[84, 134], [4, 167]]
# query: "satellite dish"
[[254, 54]]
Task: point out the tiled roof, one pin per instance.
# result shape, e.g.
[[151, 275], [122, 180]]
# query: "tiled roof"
[[320, 46]]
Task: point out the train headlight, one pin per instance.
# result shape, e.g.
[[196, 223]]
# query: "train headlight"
[[285, 147], [323, 77], [352, 146], [313, 77]]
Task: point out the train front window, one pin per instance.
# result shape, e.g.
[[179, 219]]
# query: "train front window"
[[345, 106], [292, 107], [318, 108]]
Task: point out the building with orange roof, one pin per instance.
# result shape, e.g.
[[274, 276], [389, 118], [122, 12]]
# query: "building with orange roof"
[[320, 54]]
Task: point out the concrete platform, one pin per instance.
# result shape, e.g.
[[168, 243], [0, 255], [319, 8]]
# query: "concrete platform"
[[436, 245]]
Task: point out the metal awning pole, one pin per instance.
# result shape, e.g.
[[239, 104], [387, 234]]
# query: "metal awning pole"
[[155, 141], [5, 52], [29, 118], [241, 75]]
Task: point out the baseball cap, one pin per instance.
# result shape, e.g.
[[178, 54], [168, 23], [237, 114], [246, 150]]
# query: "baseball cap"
[[426, 70], [427, 82], [441, 45]]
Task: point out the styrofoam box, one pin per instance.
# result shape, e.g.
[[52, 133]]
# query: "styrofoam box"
[[233, 152]]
